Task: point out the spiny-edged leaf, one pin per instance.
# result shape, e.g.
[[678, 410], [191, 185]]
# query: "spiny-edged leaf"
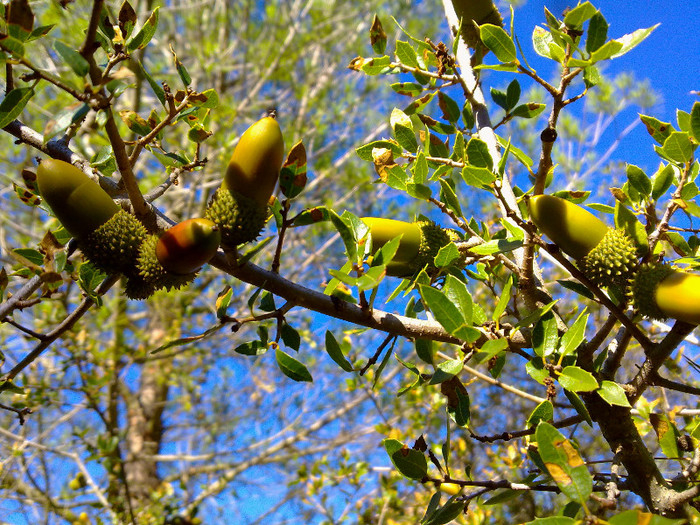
[[667, 434], [679, 147], [658, 130], [13, 104], [409, 462], [577, 379], [545, 335], [695, 121], [75, 60], [597, 32], [575, 18], [638, 517], [478, 154], [293, 174], [542, 412], [613, 393], [498, 41], [335, 352], [292, 368], [574, 335], [563, 463], [377, 36], [632, 40]]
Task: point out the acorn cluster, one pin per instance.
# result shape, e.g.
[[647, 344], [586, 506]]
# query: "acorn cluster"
[[608, 257], [116, 242]]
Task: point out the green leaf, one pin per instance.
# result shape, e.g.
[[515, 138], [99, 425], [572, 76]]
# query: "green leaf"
[[478, 177], [365, 151], [345, 234], [456, 291], [512, 94], [632, 40], [30, 254], [292, 178], [627, 220], [75, 60], [499, 97], [450, 108], [292, 368], [695, 121], [639, 180], [447, 513], [447, 314], [409, 462], [606, 51], [542, 412], [578, 405], [529, 110], [460, 413], [12, 45], [406, 138], [577, 379], [157, 88], [478, 154], [503, 300], [613, 393], [446, 370], [447, 255], [334, 350], [575, 18], [545, 335], [13, 104], [638, 517], [449, 197], [564, 463], [679, 147], [145, 34], [544, 44], [658, 130], [597, 32], [406, 54], [410, 89], [497, 246], [553, 520], [667, 434], [377, 36], [498, 41], [223, 301], [574, 335]]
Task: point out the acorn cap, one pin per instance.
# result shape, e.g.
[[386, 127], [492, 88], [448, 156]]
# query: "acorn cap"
[[613, 261], [114, 246], [79, 203], [151, 275], [643, 289], [240, 219]]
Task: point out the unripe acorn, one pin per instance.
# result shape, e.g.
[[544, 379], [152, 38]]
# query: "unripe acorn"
[[256, 161], [79, 203], [240, 205], [420, 242], [107, 235], [188, 245], [660, 292], [606, 255]]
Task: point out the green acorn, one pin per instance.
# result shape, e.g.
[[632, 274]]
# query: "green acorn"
[[107, 235], [240, 205], [171, 260], [660, 292], [607, 256], [420, 243]]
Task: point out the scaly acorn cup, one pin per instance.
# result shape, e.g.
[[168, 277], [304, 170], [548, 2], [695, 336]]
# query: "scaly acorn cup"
[[172, 259], [107, 235], [606, 255], [240, 205], [419, 244], [660, 292]]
